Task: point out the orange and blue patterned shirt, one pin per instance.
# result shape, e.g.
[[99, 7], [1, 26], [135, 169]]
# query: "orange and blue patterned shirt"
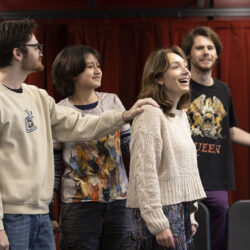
[[93, 170]]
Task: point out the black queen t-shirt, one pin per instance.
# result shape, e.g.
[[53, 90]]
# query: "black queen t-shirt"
[[211, 115]]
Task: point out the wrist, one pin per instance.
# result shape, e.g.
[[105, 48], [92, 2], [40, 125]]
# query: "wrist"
[[125, 116]]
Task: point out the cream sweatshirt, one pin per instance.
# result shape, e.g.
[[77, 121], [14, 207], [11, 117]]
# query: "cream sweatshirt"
[[28, 122], [163, 166]]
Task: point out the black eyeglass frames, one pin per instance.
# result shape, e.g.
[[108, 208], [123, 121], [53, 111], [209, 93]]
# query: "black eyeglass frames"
[[36, 45]]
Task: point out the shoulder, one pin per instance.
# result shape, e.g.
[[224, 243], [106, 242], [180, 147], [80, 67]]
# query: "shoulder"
[[110, 101], [150, 109], [109, 98], [64, 102], [151, 116], [104, 95], [29, 87], [221, 84], [35, 90]]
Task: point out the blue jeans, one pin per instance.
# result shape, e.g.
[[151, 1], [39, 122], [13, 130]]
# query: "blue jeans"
[[95, 226], [29, 232]]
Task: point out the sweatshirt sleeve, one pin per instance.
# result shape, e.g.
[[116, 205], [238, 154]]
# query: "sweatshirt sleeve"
[[146, 147], [69, 125]]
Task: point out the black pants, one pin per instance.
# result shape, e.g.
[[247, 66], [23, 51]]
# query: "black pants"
[[96, 226]]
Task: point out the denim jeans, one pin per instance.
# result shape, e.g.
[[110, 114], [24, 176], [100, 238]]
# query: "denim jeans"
[[29, 232], [96, 226]]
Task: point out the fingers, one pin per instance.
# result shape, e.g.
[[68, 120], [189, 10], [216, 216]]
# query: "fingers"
[[165, 239], [4, 246], [4, 242], [169, 242], [194, 229], [130, 114], [56, 232], [144, 101], [137, 109]]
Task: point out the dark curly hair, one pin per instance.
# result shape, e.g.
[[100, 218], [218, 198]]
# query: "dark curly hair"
[[14, 34], [68, 64]]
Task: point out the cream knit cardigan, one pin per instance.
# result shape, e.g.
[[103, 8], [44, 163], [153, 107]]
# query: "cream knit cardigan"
[[163, 165]]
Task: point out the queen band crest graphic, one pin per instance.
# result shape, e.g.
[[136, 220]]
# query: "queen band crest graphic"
[[206, 115]]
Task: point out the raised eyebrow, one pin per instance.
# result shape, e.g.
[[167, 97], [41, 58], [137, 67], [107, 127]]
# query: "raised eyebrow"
[[203, 46], [177, 62]]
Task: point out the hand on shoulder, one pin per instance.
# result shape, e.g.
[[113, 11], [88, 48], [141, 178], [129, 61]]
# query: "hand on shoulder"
[[138, 109]]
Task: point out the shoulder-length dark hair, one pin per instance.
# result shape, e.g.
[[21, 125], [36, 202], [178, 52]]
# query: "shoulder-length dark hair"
[[156, 65], [201, 31], [68, 64]]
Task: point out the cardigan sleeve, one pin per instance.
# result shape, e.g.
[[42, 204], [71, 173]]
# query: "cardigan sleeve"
[[146, 147]]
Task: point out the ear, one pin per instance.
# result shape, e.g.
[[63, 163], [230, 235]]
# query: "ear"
[[17, 54], [159, 80]]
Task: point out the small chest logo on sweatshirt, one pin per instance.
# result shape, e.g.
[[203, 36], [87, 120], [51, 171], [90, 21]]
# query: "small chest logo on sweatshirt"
[[29, 124]]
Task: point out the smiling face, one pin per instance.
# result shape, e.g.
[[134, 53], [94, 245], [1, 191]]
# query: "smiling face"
[[203, 54], [91, 77], [176, 79]]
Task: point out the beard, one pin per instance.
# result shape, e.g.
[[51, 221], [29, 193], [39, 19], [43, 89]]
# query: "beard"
[[201, 68], [32, 65]]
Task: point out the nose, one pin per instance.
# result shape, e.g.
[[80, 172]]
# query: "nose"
[[205, 50], [185, 70], [97, 69]]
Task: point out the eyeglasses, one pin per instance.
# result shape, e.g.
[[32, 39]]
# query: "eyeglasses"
[[38, 46]]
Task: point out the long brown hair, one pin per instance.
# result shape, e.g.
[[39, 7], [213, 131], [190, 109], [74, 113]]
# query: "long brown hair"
[[156, 65]]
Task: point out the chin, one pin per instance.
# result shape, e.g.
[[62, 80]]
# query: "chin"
[[185, 90], [97, 86], [206, 68], [40, 68]]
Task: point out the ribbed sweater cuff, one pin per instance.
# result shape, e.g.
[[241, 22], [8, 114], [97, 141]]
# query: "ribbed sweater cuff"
[[1, 225], [156, 220]]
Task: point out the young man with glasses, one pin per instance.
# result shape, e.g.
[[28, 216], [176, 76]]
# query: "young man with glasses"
[[29, 118]]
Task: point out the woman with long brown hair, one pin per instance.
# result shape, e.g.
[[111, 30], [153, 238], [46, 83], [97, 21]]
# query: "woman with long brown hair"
[[164, 181]]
